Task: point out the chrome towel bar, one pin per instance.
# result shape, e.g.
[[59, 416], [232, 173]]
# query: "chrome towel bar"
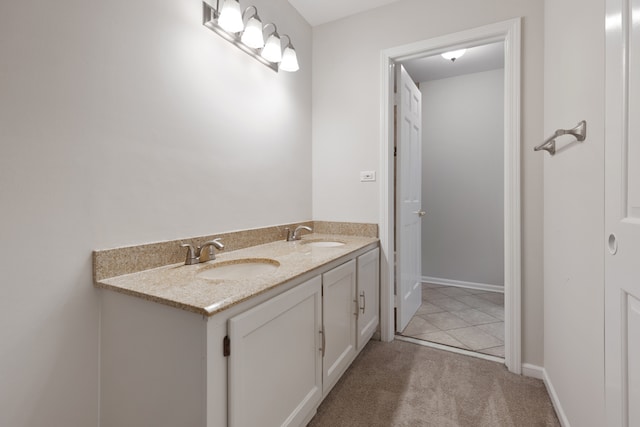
[[549, 144]]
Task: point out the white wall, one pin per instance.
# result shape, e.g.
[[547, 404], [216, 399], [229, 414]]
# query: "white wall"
[[346, 112], [574, 209], [121, 123], [462, 178]]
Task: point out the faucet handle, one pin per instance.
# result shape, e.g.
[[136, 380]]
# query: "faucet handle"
[[209, 255], [288, 235], [191, 254], [217, 243]]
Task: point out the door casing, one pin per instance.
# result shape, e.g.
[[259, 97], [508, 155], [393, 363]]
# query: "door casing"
[[508, 32]]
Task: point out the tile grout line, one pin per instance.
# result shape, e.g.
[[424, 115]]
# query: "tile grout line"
[[476, 297]]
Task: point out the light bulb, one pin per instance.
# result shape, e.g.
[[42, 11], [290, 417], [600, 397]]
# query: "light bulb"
[[289, 60], [231, 17], [272, 50], [252, 35], [454, 54]]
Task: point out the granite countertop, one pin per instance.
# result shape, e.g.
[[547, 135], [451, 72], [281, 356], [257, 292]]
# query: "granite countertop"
[[177, 285]]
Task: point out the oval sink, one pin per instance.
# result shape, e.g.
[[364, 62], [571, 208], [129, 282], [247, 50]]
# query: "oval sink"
[[323, 243], [239, 269]]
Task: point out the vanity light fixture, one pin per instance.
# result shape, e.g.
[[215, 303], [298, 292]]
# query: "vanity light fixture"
[[252, 35], [246, 32], [289, 57], [272, 51], [454, 54], [230, 18]]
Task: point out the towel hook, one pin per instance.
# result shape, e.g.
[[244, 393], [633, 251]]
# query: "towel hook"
[[549, 144]]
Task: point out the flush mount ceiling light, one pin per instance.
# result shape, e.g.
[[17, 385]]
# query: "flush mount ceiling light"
[[454, 54], [246, 32]]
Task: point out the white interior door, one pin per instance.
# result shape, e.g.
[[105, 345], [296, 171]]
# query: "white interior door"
[[622, 214], [408, 198]]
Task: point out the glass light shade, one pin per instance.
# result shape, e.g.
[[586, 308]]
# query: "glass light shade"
[[231, 17], [289, 60], [454, 54], [252, 35], [272, 49]]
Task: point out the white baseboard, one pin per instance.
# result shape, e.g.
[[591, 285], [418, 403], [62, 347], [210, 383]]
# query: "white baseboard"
[[462, 284], [564, 422], [533, 371]]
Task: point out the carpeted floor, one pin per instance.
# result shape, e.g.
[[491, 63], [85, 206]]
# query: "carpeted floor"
[[403, 384]]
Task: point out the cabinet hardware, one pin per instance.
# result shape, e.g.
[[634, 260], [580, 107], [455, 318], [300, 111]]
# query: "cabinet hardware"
[[364, 301], [226, 346], [321, 332]]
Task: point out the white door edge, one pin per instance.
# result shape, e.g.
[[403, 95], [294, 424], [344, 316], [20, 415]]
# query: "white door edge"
[[508, 32]]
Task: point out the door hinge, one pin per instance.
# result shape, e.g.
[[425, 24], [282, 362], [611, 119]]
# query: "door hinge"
[[226, 346]]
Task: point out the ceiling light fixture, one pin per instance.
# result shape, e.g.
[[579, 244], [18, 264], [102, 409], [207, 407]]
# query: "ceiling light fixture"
[[454, 54], [246, 32]]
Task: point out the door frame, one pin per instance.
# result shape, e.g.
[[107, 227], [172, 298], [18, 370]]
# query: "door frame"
[[508, 32]]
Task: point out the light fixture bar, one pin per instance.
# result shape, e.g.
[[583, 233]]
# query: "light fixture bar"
[[210, 20]]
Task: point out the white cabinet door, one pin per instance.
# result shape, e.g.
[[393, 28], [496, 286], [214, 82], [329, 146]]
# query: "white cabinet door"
[[339, 313], [368, 294], [275, 365]]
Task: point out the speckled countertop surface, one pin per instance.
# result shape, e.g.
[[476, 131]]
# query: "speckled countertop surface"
[[178, 285]]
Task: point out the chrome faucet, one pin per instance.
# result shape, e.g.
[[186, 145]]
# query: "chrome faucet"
[[291, 237], [196, 255], [209, 255]]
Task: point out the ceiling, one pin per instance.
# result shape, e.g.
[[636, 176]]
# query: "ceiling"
[[475, 60], [318, 12]]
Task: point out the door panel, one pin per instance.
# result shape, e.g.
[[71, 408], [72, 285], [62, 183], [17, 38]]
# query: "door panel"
[[409, 203], [275, 364], [368, 290], [339, 313], [633, 355], [622, 214]]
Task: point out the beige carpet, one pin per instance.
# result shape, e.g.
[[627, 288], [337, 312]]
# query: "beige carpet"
[[404, 384]]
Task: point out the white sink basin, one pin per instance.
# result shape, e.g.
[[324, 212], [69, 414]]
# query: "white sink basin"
[[323, 243], [239, 269]]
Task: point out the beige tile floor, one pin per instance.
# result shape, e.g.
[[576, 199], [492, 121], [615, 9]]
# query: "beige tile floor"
[[465, 318]]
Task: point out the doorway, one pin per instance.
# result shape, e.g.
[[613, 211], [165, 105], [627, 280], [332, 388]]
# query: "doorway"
[[462, 238], [507, 32]]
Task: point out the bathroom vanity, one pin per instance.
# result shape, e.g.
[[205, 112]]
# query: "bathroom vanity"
[[195, 346]]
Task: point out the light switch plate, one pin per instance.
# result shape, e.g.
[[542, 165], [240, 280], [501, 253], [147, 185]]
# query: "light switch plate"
[[367, 176]]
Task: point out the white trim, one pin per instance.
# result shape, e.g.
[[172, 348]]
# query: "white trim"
[[533, 371], [451, 349], [463, 284], [562, 417], [509, 32]]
